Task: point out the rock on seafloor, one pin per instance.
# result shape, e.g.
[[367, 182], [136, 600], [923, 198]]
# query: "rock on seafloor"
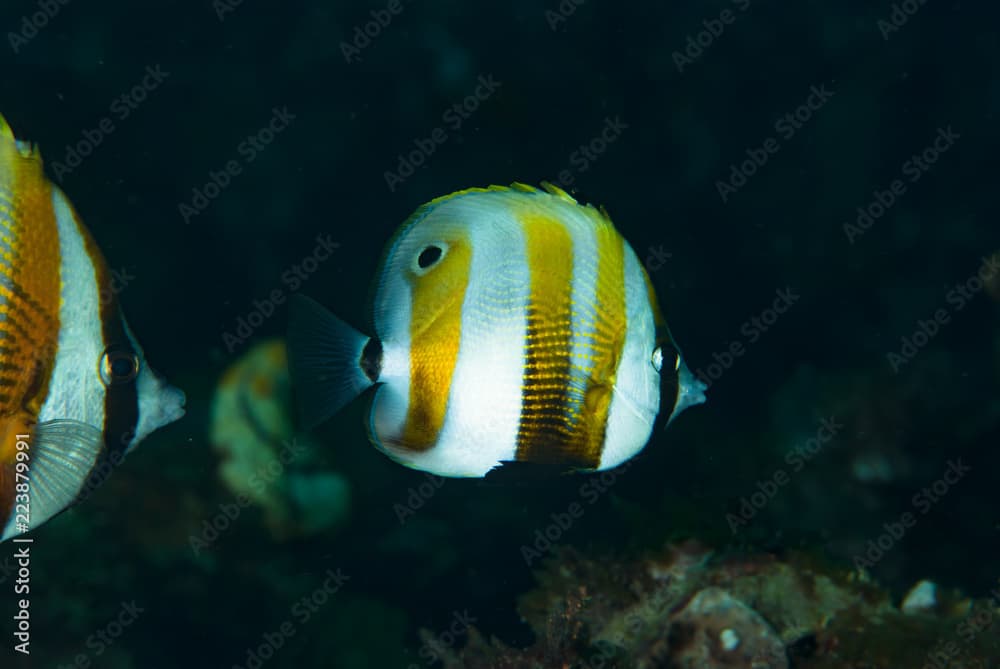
[[922, 598], [686, 607], [716, 630]]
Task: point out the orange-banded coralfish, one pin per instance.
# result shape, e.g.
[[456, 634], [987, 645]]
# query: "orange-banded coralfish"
[[512, 325], [75, 391]]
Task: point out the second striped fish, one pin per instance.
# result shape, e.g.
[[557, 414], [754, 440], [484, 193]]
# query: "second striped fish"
[[512, 325]]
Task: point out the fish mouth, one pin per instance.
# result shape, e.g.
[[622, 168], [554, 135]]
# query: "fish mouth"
[[175, 402], [159, 404]]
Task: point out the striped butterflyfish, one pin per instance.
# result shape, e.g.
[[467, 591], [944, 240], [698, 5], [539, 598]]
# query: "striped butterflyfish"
[[512, 325], [76, 393]]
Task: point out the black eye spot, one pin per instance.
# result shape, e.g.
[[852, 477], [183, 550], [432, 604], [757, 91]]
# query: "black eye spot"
[[429, 256], [121, 367]]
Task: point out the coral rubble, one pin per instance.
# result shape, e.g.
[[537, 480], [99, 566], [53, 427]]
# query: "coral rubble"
[[689, 608]]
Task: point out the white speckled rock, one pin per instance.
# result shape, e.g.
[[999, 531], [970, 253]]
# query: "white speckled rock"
[[717, 631], [922, 598]]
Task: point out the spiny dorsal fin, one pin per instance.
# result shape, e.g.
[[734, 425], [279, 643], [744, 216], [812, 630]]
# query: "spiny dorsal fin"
[[26, 150]]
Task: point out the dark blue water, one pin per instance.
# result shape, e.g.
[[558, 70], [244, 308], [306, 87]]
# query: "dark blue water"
[[811, 188]]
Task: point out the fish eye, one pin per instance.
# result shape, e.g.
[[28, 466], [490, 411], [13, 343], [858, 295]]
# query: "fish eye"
[[429, 256], [119, 366]]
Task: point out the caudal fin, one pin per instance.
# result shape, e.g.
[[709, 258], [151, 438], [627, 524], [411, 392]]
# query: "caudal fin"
[[324, 355]]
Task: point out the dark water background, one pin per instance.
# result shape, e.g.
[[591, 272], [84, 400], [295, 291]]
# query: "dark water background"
[[716, 262]]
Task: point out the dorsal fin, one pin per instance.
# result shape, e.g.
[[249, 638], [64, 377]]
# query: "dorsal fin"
[[26, 150]]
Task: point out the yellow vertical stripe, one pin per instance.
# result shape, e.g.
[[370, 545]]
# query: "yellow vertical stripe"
[[607, 342], [30, 293], [559, 425], [435, 333], [29, 276], [545, 432]]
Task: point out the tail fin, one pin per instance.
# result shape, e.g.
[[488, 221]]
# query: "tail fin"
[[324, 355]]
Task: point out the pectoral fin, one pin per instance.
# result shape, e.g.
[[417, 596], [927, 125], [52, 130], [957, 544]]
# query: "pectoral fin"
[[62, 453]]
